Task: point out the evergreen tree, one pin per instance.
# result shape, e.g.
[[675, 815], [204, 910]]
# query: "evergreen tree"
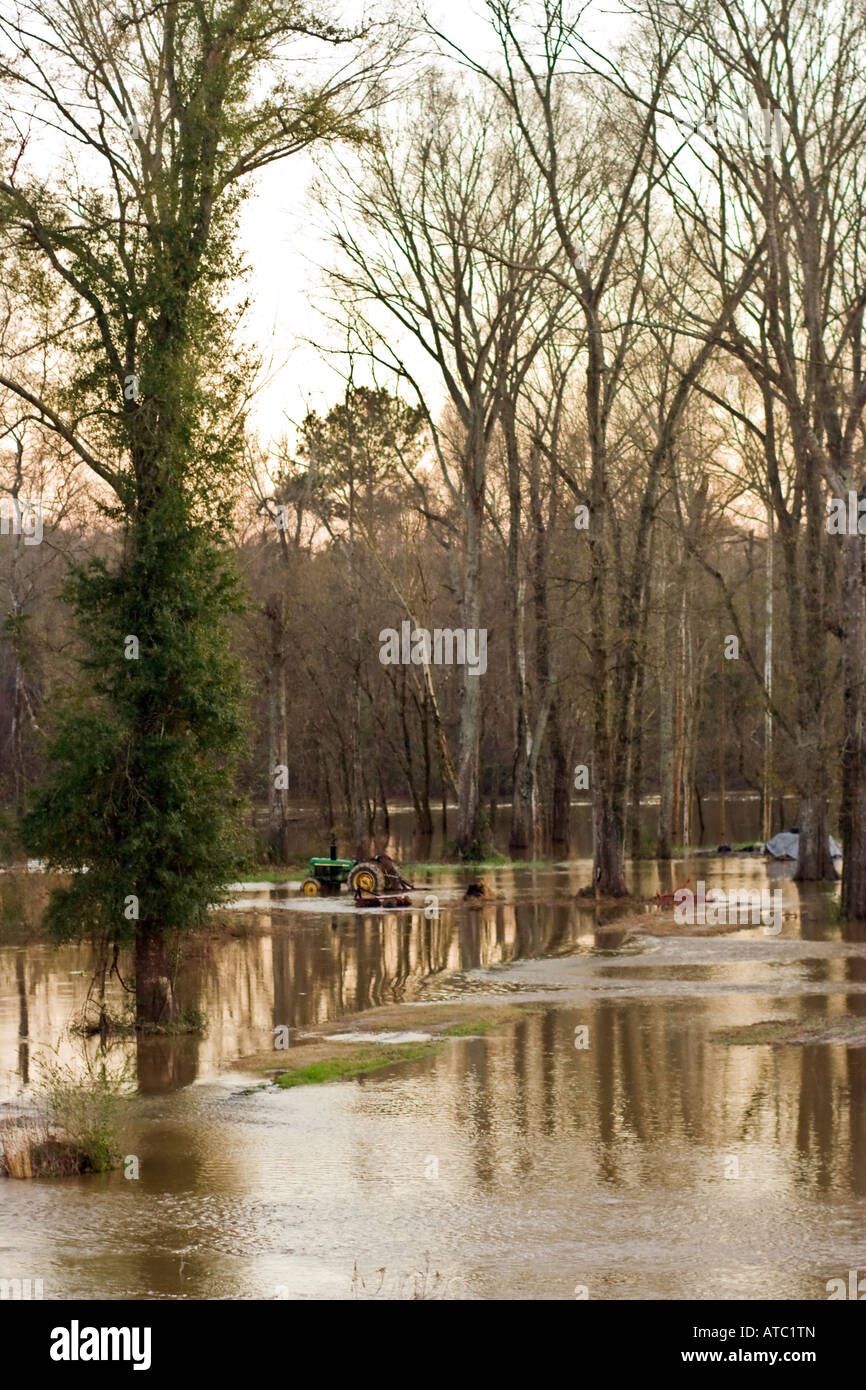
[[132, 245]]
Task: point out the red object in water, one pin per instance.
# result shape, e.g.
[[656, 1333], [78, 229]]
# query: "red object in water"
[[668, 899]]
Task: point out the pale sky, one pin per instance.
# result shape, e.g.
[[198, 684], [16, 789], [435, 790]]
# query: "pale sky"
[[283, 248]]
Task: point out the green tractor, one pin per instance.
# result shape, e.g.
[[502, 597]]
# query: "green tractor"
[[362, 876]]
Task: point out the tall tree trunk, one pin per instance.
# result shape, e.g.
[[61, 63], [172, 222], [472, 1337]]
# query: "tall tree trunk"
[[17, 638], [330, 818], [636, 746], [694, 688], [853, 816], [283, 756], [808, 567], [814, 861], [386, 815], [545, 674], [813, 856], [423, 825], [362, 832], [607, 804], [522, 789], [523, 782], [278, 739], [561, 809], [360, 807], [425, 819], [678, 814], [723, 755], [468, 780], [19, 708], [608, 834], [273, 763], [667, 664], [767, 777], [636, 770]]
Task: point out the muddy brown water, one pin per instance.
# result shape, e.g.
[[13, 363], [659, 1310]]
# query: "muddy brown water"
[[654, 1162]]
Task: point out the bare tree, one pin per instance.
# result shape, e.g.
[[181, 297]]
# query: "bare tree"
[[443, 237], [594, 141], [777, 100]]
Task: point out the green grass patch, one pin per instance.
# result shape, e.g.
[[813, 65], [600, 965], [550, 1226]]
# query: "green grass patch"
[[757, 1034], [793, 1032], [467, 1030], [356, 1063], [291, 874]]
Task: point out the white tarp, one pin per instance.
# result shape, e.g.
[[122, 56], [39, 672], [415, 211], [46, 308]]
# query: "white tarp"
[[786, 845]]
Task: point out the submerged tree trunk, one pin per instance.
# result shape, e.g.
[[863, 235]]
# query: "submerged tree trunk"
[[154, 989], [608, 834], [814, 861], [522, 800]]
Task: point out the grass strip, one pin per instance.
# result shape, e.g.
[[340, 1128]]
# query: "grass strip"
[[356, 1063]]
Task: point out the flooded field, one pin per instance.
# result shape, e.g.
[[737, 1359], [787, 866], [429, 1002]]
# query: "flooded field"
[[607, 1142]]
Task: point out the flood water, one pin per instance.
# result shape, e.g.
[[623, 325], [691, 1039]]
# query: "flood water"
[[655, 1162]]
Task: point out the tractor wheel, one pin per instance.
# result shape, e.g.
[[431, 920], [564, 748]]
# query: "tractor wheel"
[[310, 887], [365, 877]]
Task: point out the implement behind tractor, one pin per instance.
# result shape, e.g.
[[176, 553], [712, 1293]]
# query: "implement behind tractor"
[[365, 878]]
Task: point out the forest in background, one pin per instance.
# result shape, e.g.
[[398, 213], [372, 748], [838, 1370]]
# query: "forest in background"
[[699, 727]]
